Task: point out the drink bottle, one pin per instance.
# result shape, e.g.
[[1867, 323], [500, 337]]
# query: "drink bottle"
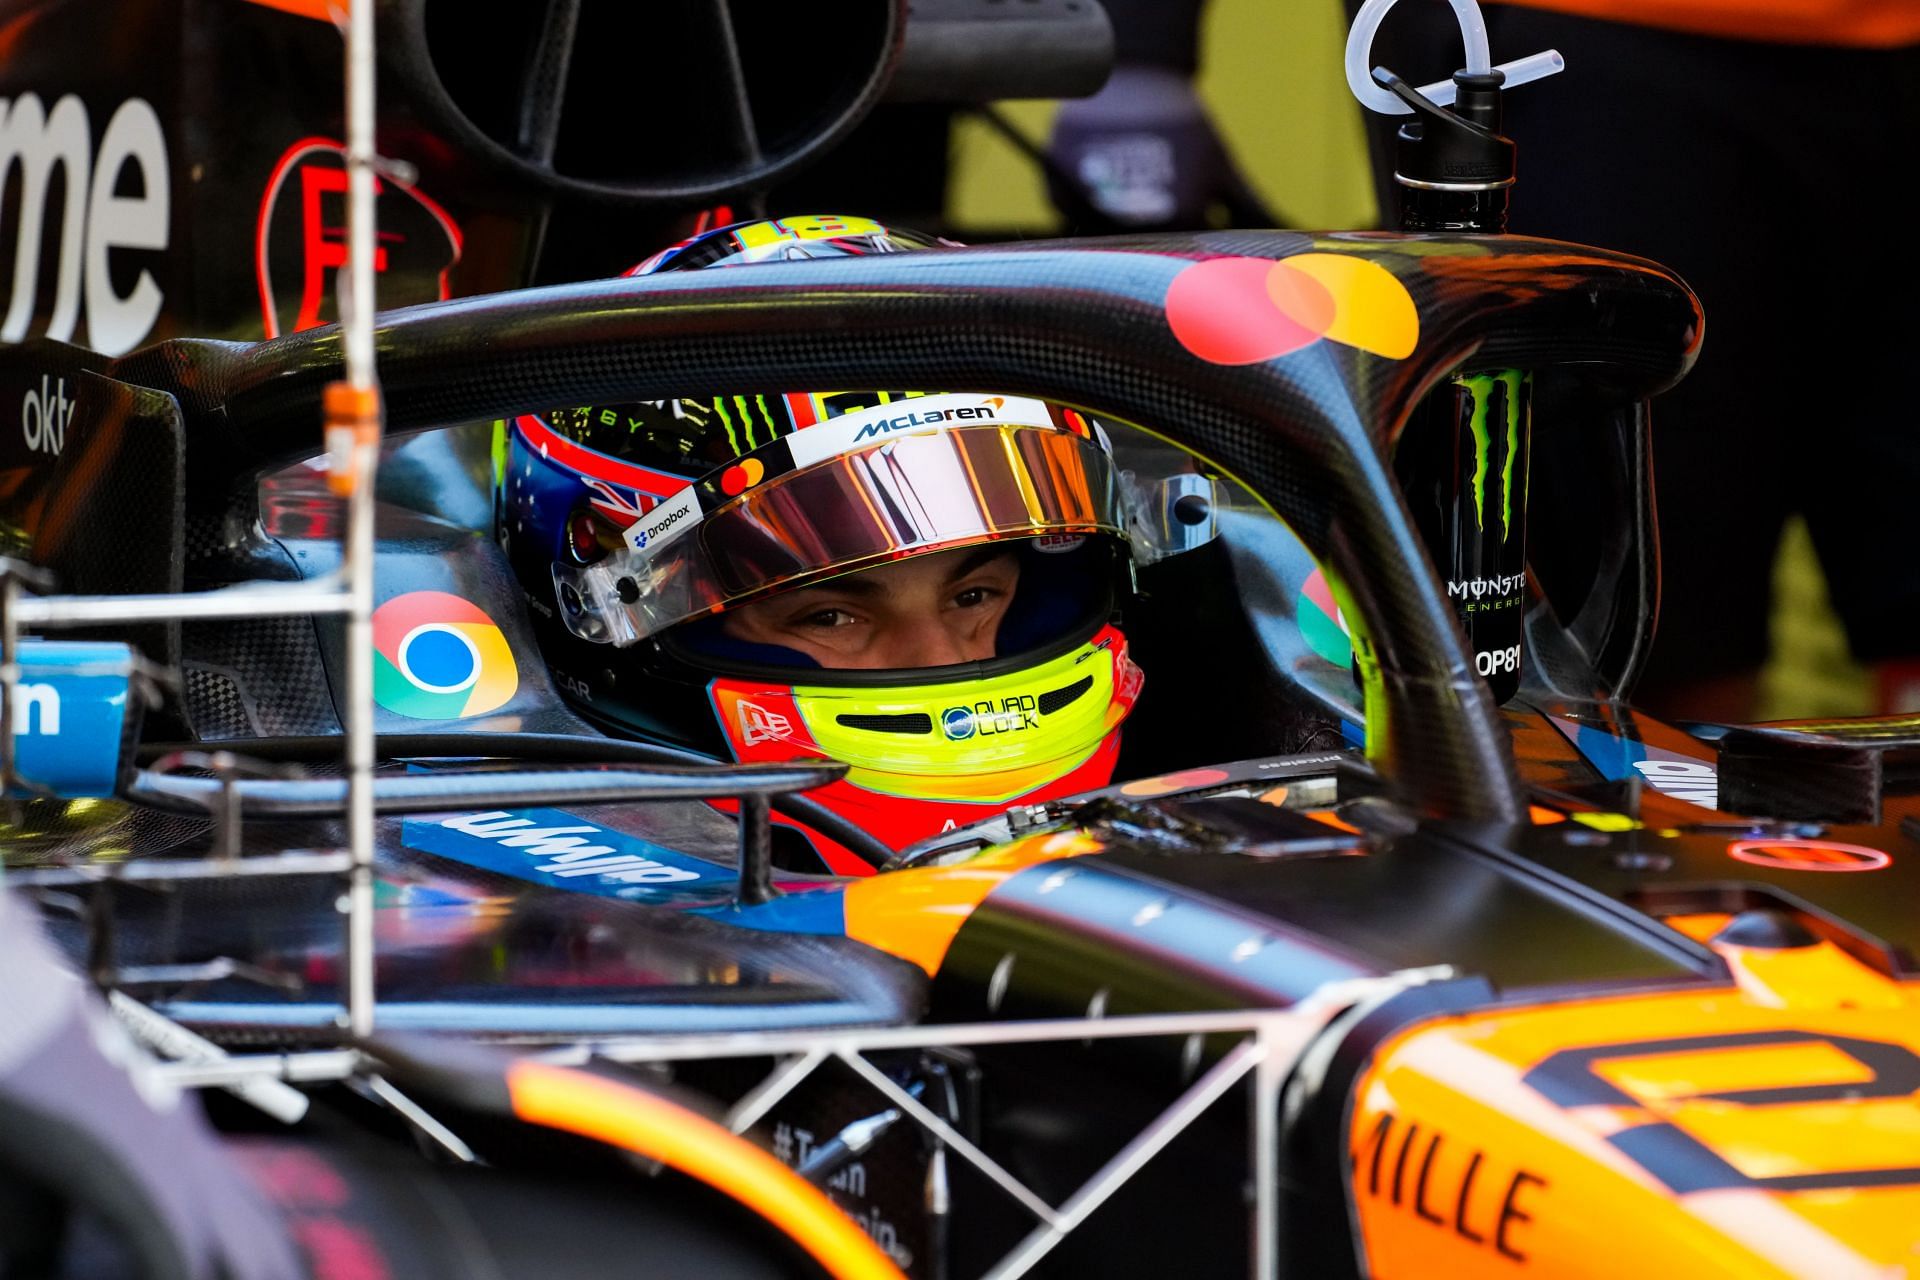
[[1462, 457], [1462, 464]]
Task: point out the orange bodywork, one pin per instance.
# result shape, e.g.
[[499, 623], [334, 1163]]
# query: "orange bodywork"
[[914, 914], [1769, 1129], [658, 1129], [319, 10]]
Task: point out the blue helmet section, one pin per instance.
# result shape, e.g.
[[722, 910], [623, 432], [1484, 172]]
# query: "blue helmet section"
[[537, 497], [547, 480]]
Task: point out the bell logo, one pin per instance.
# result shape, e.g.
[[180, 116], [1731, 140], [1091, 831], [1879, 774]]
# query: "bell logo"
[[94, 217], [758, 725], [44, 415]]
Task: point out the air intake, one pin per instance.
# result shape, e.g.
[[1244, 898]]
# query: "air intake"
[[906, 722], [1054, 699]]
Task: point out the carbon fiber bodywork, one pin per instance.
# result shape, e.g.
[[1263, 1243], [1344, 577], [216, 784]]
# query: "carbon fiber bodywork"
[[1559, 854], [1526, 991], [1080, 322]]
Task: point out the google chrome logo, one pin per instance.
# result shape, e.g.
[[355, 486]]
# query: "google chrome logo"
[[1322, 625], [438, 657]]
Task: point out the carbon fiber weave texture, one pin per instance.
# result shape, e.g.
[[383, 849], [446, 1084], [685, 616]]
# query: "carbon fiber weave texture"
[[1080, 322]]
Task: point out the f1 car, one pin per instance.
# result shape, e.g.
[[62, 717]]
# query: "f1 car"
[[1544, 986]]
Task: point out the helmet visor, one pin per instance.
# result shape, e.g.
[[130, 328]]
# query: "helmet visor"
[[951, 488]]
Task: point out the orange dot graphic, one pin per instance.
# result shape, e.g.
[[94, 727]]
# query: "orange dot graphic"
[[1373, 310]]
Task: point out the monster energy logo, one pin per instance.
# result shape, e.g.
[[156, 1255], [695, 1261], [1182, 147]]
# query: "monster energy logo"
[[750, 418], [1480, 389], [1476, 588]]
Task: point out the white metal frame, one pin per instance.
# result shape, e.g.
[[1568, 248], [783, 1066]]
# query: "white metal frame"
[[1266, 1045], [347, 593]]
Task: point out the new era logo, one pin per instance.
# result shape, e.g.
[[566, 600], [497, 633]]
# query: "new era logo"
[[757, 724]]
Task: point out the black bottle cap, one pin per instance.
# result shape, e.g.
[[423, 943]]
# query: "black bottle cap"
[[1453, 150]]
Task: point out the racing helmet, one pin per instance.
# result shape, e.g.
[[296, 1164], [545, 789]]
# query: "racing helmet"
[[636, 528]]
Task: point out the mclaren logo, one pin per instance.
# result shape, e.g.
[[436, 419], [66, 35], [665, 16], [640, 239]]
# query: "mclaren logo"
[[983, 412]]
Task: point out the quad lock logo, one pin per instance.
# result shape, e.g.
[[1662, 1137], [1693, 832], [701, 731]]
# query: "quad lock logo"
[[1010, 715], [96, 224], [44, 416]]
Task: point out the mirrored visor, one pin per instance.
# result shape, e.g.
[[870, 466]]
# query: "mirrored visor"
[[952, 488]]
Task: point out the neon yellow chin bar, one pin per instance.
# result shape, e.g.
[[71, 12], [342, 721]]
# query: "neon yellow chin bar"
[[978, 740]]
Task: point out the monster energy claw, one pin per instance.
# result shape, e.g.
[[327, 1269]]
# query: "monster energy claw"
[[1462, 462]]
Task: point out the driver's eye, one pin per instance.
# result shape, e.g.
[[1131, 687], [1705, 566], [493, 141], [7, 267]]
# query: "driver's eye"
[[825, 618], [974, 597]]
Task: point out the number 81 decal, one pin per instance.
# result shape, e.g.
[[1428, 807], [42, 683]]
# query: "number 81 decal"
[[1842, 1070]]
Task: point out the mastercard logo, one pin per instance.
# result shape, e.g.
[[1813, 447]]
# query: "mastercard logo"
[[1167, 784], [1246, 310], [742, 476], [438, 657]]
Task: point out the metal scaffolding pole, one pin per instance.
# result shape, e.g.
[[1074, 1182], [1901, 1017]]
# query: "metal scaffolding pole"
[[353, 414]]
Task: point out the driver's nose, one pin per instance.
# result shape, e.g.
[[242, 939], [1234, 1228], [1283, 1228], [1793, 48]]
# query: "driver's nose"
[[932, 642]]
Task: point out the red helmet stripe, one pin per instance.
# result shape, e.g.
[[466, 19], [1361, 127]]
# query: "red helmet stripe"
[[551, 444]]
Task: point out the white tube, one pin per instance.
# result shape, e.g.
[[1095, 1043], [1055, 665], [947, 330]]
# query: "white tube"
[[1535, 66], [1473, 31], [1479, 58]]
